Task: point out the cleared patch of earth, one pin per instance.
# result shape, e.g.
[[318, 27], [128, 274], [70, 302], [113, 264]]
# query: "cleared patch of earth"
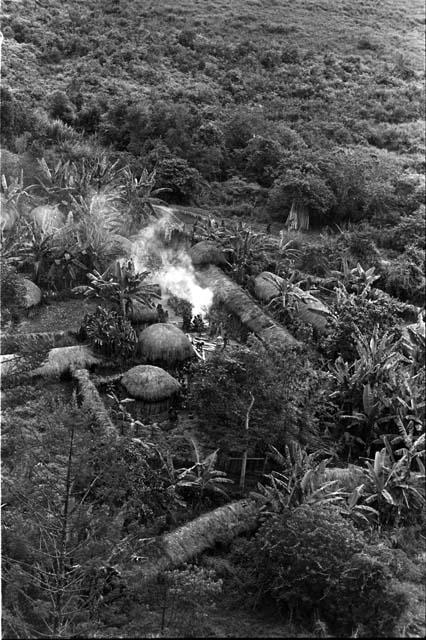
[[61, 315]]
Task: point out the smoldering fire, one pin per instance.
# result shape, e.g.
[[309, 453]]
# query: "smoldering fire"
[[171, 268]]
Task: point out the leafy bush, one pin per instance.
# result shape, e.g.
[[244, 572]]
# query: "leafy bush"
[[283, 384], [404, 277], [12, 292], [109, 333], [130, 481], [307, 189], [310, 560], [367, 392], [120, 285], [355, 313], [410, 230], [61, 107], [182, 180]]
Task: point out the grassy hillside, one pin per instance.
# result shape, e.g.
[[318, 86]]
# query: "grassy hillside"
[[241, 90]]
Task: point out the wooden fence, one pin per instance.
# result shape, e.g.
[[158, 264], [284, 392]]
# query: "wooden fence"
[[255, 470]]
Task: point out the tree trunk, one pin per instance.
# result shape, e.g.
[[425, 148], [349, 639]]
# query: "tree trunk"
[[242, 305], [298, 218]]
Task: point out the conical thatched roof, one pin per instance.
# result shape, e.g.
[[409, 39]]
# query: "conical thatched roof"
[[165, 343], [206, 252], [149, 383], [32, 293], [141, 313]]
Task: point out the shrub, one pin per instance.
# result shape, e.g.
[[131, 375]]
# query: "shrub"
[[361, 247], [260, 159], [109, 333], [355, 313], [404, 277], [7, 114], [311, 561], [283, 384], [307, 189], [12, 292], [60, 106], [410, 230], [182, 180]]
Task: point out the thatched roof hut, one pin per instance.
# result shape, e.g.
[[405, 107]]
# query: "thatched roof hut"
[[309, 309], [206, 252], [150, 384], [242, 305], [32, 295], [164, 343]]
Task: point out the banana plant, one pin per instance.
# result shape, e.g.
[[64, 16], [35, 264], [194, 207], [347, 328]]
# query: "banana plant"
[[292, 300], [302, 479], [358, 280], [202, 477], [120, 285], [391, 488]]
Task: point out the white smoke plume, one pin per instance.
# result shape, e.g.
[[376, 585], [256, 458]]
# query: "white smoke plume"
[[171, 268]]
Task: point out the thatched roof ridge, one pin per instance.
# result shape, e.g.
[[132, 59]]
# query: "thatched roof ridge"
[[267, 286], [206, 252], [243, 306], [13, 341], [92, 403], [62, 359], [195, 537], [164, 343], [149, 383], [309, 309]]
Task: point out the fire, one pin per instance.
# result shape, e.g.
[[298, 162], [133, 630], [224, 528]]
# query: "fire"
[[171, 268]]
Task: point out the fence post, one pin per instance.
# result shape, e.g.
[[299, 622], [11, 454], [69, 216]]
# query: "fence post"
[[244, 461]]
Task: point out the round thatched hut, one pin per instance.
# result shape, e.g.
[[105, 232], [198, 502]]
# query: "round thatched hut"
[[151, 386], [206, 252], [164, 343], [32, 296]]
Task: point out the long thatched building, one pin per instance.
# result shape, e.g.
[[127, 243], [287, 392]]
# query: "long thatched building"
[[243, 306]]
